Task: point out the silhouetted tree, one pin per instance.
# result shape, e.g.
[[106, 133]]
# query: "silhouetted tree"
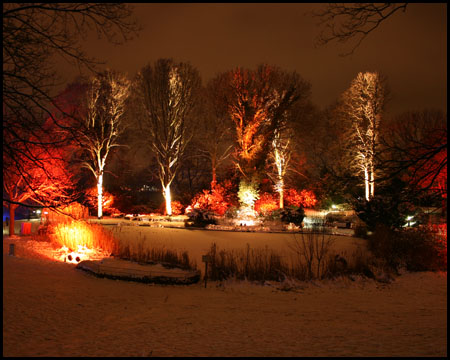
[[34, 35], [348, 21]]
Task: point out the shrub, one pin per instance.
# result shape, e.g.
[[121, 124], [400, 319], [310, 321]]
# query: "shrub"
[[214, 200], [416, 249], [383, 210], [292, 214], [108, 200], [305, 198], [360, 230], [266, 204], [231, 212], [200, 218], [248, 192]]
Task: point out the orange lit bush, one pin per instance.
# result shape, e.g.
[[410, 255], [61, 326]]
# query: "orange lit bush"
[[177, 208], [214, 200], [108, 200], [76, 234], [266, 204], [305, 198]]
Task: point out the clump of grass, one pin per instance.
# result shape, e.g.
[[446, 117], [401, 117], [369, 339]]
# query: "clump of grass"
[[250, 264], [311, 258], [144, 254], [77, 233]]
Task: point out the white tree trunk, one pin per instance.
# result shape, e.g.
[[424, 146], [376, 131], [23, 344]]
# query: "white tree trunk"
[[100, 196], [366, 183], [168, 198], [281, 192], [372, 182]]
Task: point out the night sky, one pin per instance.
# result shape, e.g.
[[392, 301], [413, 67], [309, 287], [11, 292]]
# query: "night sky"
[[410, 48]]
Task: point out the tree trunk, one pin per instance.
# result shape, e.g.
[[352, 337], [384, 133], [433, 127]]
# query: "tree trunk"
[[372, 182], [281, 193], [12, 210], [100, 196], [213, 170], [366, 183], [167, 196]]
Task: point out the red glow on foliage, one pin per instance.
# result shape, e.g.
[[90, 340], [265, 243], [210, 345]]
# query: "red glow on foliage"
[[214, 200], [107, 200], [306, 198], [266, 204], [177, 208]]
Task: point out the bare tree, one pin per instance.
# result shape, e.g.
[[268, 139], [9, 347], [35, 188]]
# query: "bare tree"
[[102, 123], [416, 149], [363, 104], [280, 157], [35, 36], [168, 93], [215, 138], [348, 21]]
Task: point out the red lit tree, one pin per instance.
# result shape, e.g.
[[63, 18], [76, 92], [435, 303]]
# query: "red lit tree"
[[34, 36], [42, 181], [416, 150], [259, 103]]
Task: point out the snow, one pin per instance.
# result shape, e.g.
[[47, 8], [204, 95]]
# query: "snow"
[[52, 309]]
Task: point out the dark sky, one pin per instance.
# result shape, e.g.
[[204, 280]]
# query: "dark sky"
[[410, 48]]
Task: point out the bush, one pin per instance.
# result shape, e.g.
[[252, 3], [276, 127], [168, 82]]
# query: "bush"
[[266, 204], [292, 214], [231, 212], [360, 230], [416, 249], [383, 210], [200, 218], [215, 200]]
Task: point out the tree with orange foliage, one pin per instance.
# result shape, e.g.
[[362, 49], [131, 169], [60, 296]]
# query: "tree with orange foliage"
[[259, 103]]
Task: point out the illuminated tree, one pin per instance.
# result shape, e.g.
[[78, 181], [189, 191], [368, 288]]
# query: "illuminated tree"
[[35, 36], [102, 123], [348, 21], [362, 104], [42, 181], [167, 93], [258, 104], [280, 157]]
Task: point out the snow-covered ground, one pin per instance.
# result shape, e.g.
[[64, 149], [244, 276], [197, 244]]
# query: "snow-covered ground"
[[52, 309]]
